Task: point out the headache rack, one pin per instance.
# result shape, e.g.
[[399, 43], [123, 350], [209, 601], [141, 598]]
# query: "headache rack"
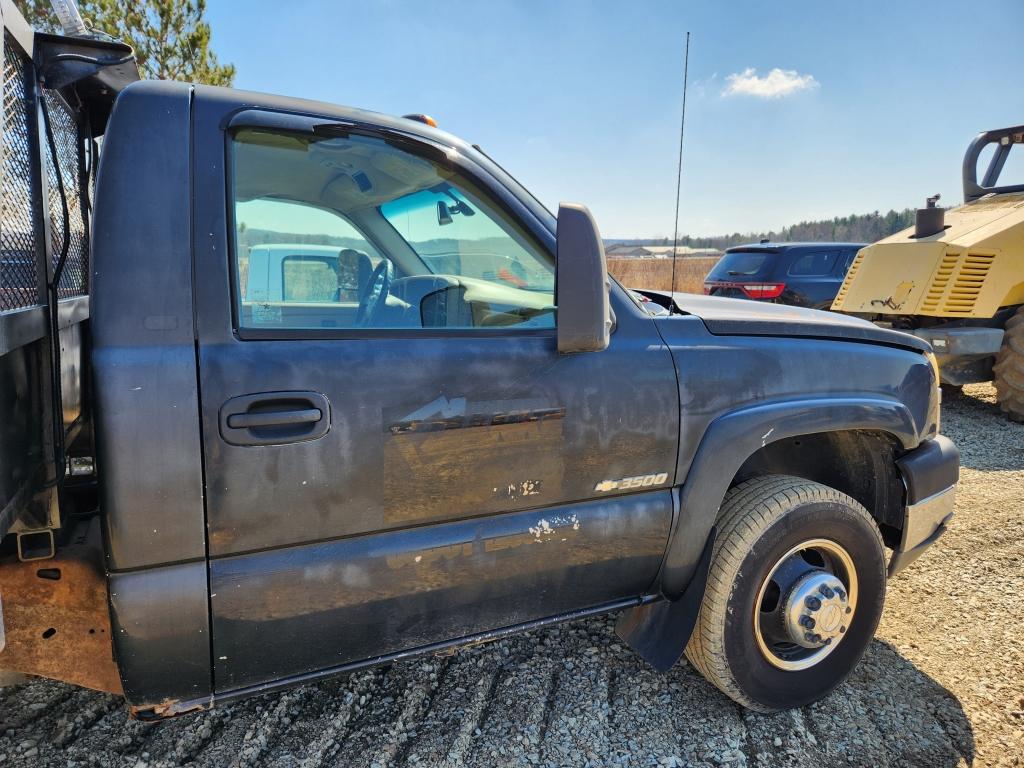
[[57, 95]]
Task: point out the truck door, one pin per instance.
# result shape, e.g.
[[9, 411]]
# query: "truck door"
[[395, 453]]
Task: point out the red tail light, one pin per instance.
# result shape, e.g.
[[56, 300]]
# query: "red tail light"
[[752, 290], [762, 290]]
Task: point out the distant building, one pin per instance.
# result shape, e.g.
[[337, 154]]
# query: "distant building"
[[626, 251]]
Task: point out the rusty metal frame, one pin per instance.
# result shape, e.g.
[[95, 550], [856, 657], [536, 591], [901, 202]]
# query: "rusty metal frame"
[[56, 616]]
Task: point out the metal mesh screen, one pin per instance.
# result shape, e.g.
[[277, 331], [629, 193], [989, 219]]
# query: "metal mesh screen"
[[18, 276], [74, 280]]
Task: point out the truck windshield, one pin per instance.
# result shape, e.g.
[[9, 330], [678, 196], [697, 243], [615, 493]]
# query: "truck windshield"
[[456, 235]]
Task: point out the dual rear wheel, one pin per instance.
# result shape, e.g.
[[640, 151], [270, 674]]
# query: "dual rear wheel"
[[794, 594]]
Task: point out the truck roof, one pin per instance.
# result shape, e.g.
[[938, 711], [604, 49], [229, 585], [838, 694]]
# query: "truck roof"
[[259, 100], [243, 100]]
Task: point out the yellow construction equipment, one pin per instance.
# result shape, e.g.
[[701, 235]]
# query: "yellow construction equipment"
[[956, 278]]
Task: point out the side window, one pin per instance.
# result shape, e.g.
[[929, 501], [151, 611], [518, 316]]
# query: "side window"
[[290, 254], [310, 278], [355, 232], [817, 264]]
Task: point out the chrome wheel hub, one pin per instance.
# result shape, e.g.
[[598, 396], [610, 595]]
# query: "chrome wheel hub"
[[805, 604], [817, 610]]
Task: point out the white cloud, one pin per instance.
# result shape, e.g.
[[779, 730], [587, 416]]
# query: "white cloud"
[[775, 85]]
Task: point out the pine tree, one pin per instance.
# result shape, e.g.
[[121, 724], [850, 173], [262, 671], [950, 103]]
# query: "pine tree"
[[170, 38]]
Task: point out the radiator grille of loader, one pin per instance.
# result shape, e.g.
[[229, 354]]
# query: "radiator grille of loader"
[[957, 283], [18, 276], [937, 290]]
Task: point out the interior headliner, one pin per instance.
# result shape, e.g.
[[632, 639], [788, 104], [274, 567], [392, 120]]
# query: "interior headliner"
[[345, 174]]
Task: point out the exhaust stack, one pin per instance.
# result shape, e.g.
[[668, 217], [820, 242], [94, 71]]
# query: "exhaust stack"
[[930, 220]]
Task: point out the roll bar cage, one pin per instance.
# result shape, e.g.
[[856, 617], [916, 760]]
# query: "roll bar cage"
[[1004, 139]]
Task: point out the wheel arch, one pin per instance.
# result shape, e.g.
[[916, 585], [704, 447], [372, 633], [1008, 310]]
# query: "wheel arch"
[[781, 437], [860, 463]]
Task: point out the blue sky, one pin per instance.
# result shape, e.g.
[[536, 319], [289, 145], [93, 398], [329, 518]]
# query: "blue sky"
[[871, 109]]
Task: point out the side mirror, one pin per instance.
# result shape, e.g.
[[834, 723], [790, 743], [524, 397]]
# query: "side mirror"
[[584, 308], [354, 268]]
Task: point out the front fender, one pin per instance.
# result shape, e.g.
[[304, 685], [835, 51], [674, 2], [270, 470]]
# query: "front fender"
[[735, 436]]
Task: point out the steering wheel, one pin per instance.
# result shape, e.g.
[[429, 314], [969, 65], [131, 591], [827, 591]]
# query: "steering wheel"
[[375, 294]]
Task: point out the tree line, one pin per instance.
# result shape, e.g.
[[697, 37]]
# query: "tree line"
[[857, 228]]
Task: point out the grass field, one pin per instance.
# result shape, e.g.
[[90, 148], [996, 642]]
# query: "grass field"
[[657, 273]]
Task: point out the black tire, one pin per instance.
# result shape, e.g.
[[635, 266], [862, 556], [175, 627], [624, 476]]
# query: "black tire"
[[760, 521], [1008, 373]]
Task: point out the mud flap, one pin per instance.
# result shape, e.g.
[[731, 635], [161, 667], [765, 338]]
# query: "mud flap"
[[659, 631]]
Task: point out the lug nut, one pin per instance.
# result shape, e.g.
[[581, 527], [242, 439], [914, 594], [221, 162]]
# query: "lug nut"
[[807, 621], [813, 603], [828, 641], [826, 591], [809, 637]]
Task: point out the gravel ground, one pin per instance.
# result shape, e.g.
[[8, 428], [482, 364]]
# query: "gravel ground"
[[943, 684]]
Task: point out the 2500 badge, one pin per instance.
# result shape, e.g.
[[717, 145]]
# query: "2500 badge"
[[629, 483]]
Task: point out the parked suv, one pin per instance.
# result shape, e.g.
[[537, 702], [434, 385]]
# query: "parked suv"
[[801, 274]]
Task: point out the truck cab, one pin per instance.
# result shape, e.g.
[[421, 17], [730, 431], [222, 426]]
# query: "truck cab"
[[353, 394]]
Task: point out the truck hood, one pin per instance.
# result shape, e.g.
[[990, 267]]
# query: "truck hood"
[[740, 317]]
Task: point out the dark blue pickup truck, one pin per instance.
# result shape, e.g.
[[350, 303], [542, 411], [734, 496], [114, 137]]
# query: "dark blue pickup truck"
[[330, 389]]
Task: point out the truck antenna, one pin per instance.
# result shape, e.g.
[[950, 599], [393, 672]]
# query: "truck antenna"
[[679, 172], [69, 17]]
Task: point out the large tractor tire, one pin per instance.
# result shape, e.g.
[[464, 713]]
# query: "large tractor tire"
[[1009, 369]]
